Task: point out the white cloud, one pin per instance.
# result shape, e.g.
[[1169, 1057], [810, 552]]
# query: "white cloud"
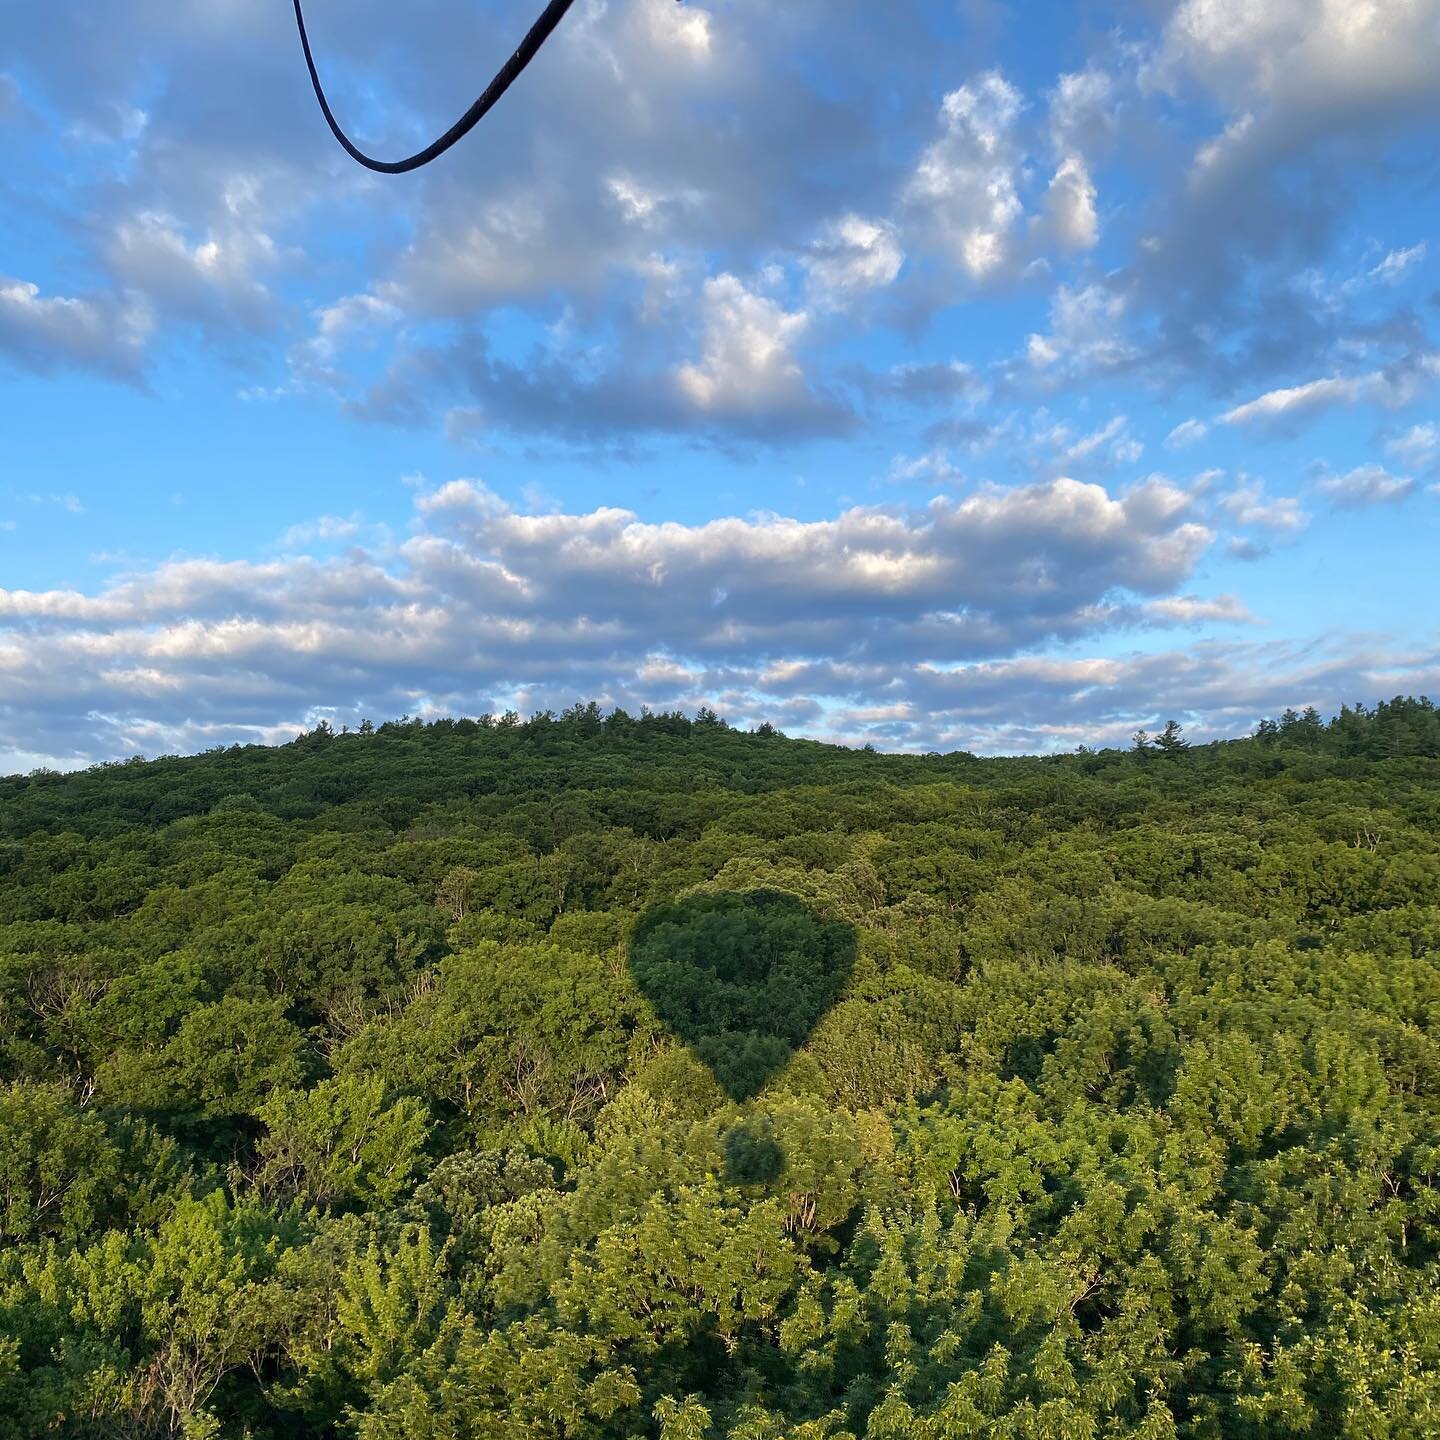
[[1082, 110], [1364, 486], [1187, 432], [1214, 688], [1418, 447], [1394, 386], [747, 365], [1397, 264], [935, 467], [354, 312], [1295, 399], [1086, 445], [650, 207], [1315, 99], [852, 255], [1324, 54], [683, 29], [43, 333], [353, 319], [1110, 442], [208, 281], [964, 189], [503, 250], [1195, 610], [483, 599], [1247, 505], [322, 530], [1070, 203], [1086, 333]]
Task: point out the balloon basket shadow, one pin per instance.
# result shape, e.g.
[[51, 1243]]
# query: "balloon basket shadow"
[[753, 1155]]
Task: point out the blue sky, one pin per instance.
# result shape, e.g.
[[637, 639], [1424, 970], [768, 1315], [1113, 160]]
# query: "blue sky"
[[930, 374]]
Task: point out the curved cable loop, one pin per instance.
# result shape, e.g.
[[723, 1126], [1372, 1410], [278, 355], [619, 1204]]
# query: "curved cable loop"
[[506, 76]]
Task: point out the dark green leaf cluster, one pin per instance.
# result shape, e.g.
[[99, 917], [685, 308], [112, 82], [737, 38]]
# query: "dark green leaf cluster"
[[741, 978], [595, 1077]]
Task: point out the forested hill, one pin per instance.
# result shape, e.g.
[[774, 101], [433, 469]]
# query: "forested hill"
[[394, 771], [592, 1077]]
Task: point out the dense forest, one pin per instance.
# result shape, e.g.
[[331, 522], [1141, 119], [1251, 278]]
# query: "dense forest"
[[608, 1076]]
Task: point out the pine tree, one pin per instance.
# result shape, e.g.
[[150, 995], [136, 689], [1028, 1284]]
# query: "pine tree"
[[1170, 740]]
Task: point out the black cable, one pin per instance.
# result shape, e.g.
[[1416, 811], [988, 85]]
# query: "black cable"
[[508, 73]]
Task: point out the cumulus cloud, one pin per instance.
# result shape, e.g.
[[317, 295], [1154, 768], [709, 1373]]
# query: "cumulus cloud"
[[1364, 486], [1418, 447], [1394, 386], [748, 367], [483, 598], [1083, 109], [1216, 689], [1312, 95], [852, 255], [1328, 55], [964, 191], [44, 333], [1295, 399], [1070, 205], [215, 282], [1086, 333], [1247, 505], [746, 384], [610, 169], [964, 199], [1032, 557]]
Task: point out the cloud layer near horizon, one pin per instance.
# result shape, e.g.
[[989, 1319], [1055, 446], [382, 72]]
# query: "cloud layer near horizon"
[[914, 629]]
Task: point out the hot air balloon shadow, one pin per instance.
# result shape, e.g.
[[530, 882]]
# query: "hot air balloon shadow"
[[741, 977]]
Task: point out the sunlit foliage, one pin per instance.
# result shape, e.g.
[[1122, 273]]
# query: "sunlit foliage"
[[602, 1076]]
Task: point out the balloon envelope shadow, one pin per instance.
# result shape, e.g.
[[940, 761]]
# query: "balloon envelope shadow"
[[741, 977]]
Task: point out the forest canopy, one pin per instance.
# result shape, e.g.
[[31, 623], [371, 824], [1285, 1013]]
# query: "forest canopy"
[[601, 1076], [742, 979]]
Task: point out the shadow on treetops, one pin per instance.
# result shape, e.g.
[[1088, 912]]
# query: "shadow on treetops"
[[741, 978]]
